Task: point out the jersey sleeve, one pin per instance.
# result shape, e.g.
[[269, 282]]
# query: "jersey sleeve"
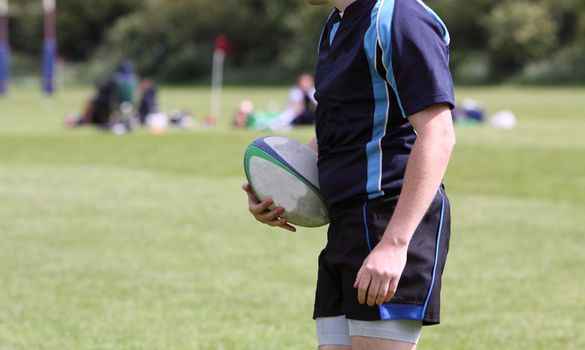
[[419, 48]]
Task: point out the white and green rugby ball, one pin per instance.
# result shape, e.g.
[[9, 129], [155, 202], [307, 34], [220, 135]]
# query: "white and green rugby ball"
[[285, 170]]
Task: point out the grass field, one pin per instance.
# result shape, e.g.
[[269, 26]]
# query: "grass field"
[[144, 242]]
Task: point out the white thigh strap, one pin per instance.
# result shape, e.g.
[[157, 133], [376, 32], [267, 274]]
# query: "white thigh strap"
[[405, 331], [333, 331]]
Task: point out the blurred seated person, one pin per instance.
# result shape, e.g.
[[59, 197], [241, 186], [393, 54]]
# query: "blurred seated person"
[[301, 104], [99, 107], [470, 112], [300, 110], [246, 117], [103, 107], [302, 100], [241, 119], [148, 103], [149, 113]]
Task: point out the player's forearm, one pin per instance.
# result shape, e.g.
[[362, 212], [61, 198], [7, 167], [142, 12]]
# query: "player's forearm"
[[425, 170]]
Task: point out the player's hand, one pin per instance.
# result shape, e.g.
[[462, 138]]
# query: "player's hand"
[[379, 275], [262, 212]]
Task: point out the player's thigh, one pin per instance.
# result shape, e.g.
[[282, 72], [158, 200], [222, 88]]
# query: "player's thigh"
[[384, 335], [368, 343]]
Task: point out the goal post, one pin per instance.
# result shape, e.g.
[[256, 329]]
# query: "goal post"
[[4, 48], [49, 47]]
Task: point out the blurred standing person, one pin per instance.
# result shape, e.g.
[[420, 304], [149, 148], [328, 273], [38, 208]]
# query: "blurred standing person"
[[126, 83]]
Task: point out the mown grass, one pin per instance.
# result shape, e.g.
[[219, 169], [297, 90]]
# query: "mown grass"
[[144, 242]]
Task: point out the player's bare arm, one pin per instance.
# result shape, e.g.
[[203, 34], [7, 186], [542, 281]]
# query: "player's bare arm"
[[378, 277]]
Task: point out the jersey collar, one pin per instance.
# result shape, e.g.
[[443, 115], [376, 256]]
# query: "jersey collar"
[[354, 10]]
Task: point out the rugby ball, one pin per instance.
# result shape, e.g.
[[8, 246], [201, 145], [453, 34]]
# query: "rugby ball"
[[285, 170]]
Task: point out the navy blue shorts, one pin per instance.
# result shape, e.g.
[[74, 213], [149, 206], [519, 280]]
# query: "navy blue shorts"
[[355, 229]]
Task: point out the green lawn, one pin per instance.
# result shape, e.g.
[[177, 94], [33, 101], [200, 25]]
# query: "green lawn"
[[144, 242]]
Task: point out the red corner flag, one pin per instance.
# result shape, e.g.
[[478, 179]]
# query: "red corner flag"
[[222, 43]]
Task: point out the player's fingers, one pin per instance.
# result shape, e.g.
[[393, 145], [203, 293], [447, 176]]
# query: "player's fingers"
[[393, 285], [277, 221], [363, 287], [382, 292], [373, 291], [270, 217], [246, 187], [282, 223], [252, 199], [259, 208], [357, 279], [285, 225]]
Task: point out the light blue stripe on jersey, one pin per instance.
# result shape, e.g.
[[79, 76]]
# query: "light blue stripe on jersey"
[[384, 29], [380, 89], [446, 37], [333, 32]]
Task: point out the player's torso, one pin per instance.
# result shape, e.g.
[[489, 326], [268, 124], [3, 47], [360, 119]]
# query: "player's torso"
[[346, 114]]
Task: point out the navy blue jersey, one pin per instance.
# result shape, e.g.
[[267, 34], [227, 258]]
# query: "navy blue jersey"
[[380, 62]]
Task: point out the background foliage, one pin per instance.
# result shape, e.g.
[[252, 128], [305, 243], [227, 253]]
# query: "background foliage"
[[172, 40]]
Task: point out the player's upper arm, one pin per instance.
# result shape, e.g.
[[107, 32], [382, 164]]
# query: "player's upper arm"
[[417, 55], [435, 122]]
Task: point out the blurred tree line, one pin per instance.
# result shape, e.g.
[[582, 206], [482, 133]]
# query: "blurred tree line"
[[172, 40]]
